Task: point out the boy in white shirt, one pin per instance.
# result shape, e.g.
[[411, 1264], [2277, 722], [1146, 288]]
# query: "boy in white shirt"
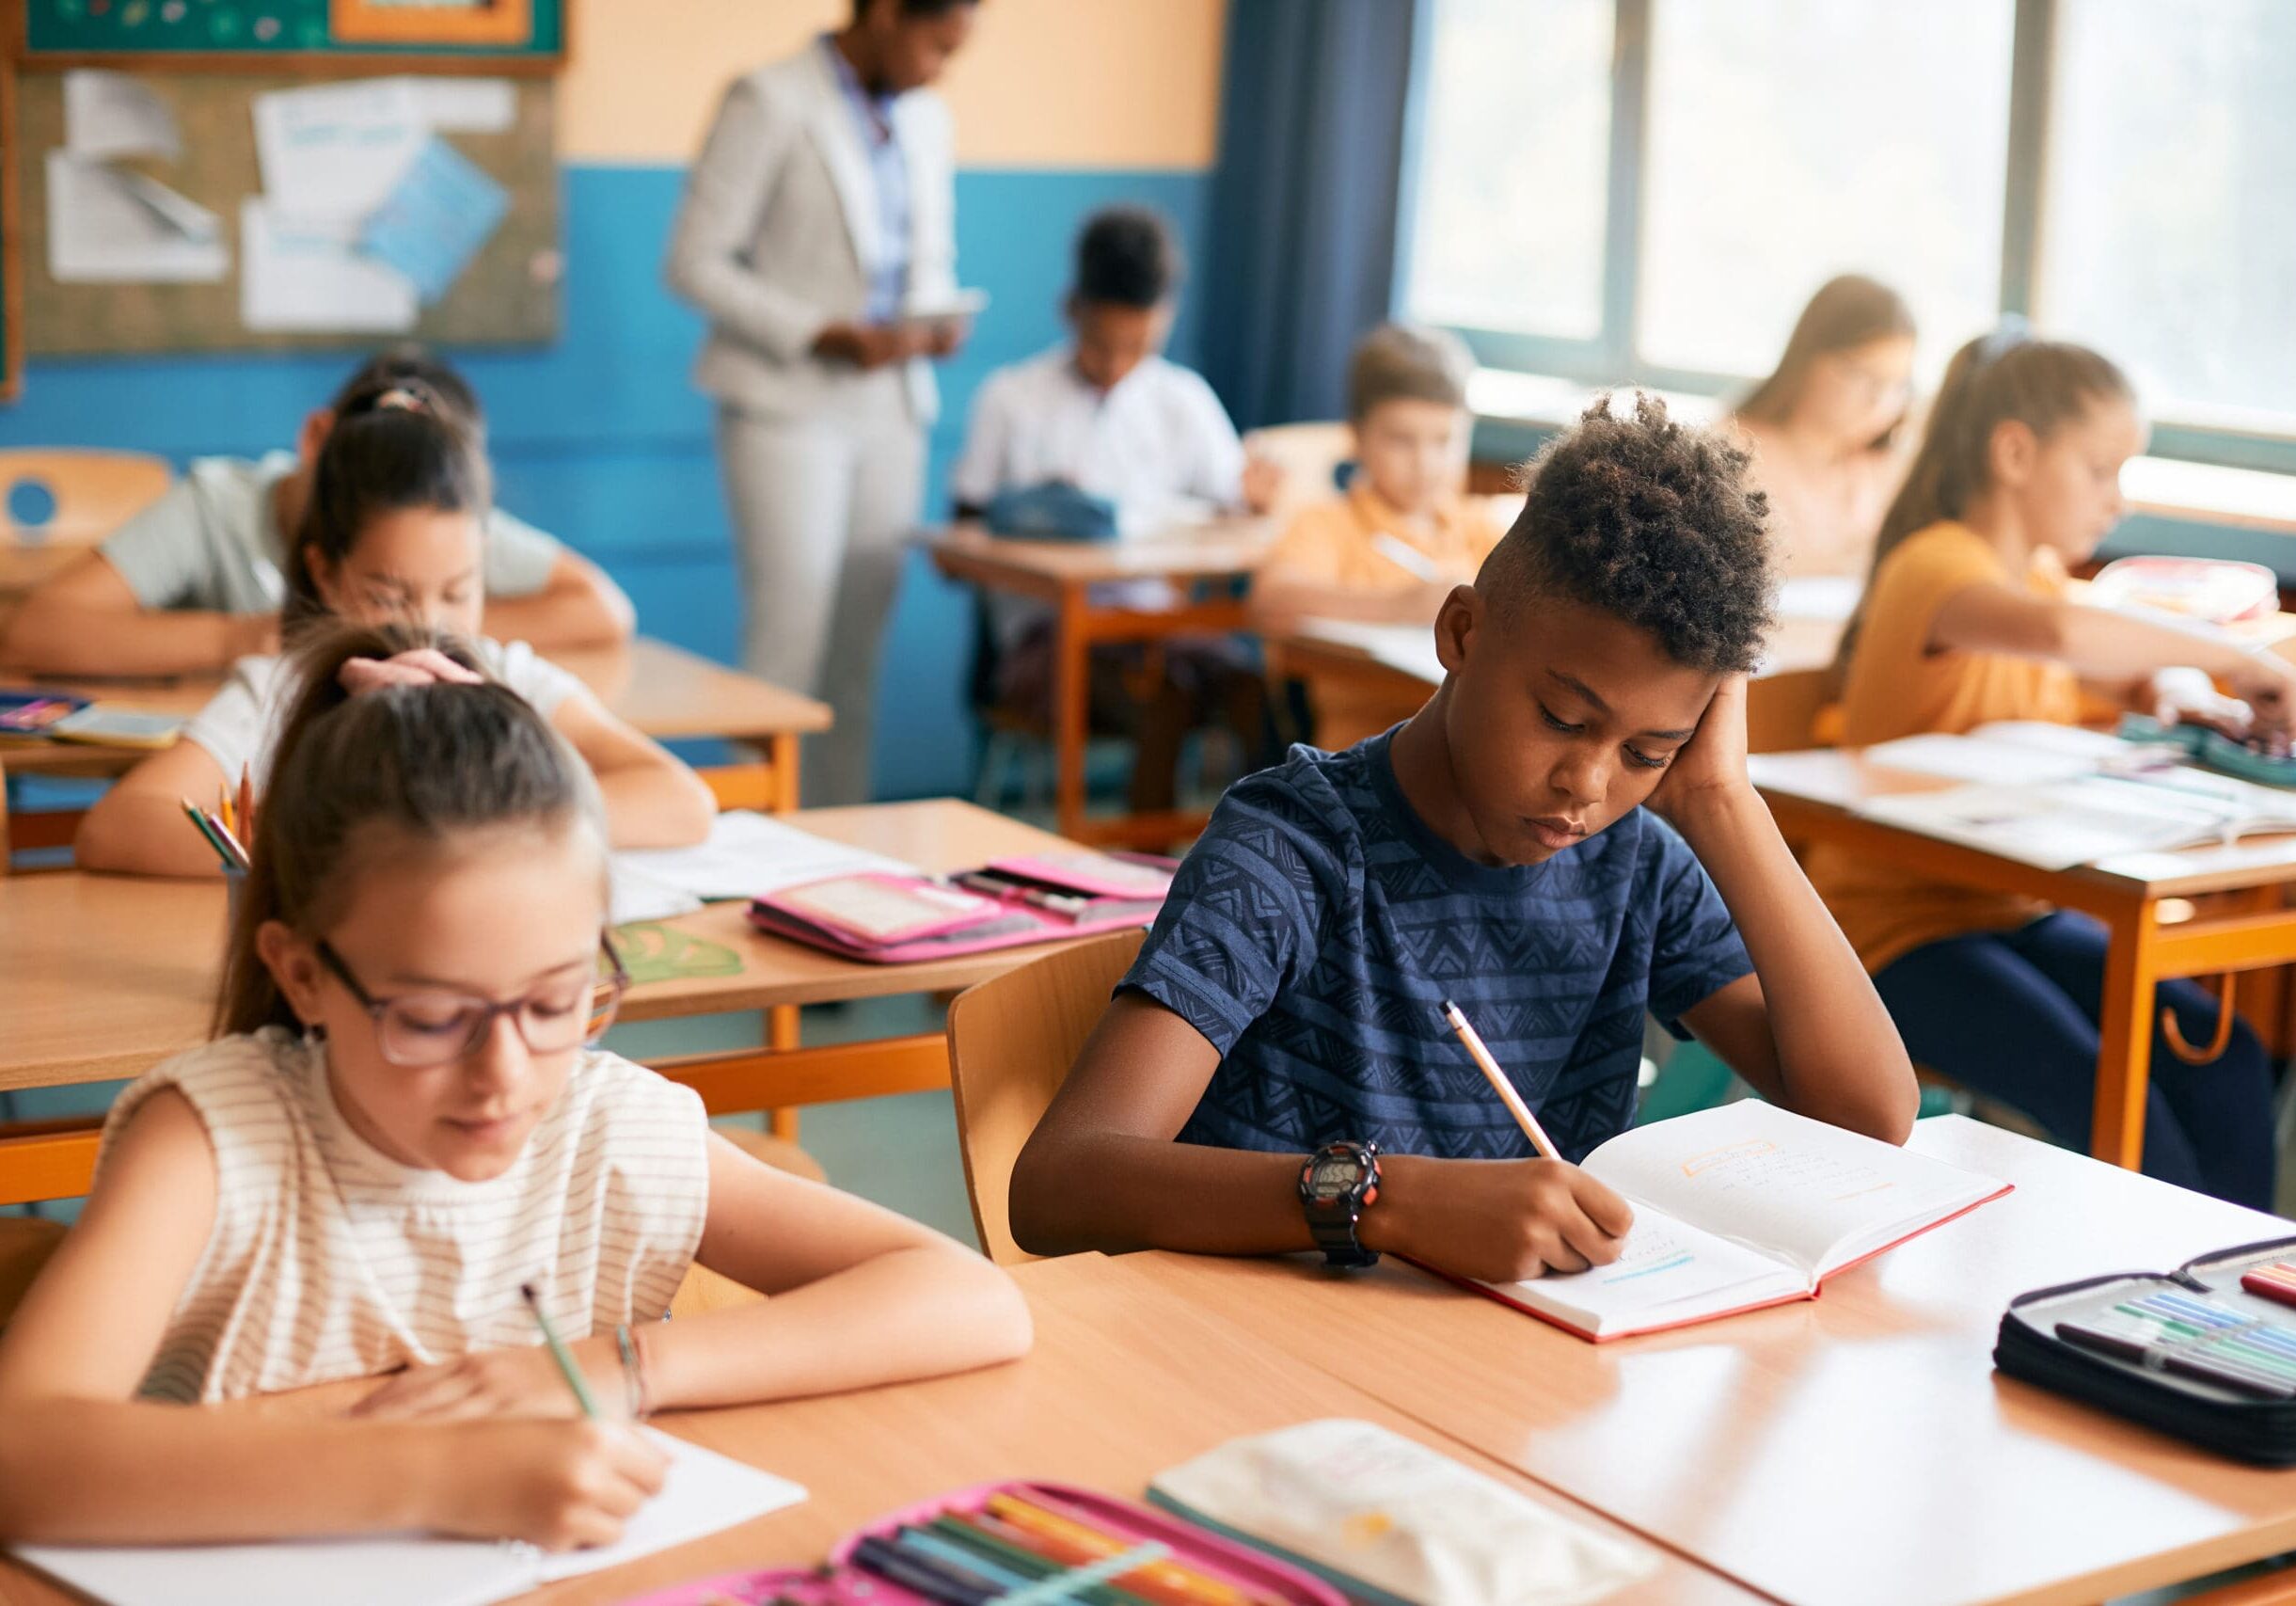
[[1106, 413]]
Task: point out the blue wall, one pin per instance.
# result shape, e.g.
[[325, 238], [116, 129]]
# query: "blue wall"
[[600, 439]]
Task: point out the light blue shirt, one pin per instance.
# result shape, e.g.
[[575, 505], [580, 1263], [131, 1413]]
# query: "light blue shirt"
[[888, 175]]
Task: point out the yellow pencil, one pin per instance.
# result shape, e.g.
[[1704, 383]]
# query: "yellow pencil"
[[1499, 1084]]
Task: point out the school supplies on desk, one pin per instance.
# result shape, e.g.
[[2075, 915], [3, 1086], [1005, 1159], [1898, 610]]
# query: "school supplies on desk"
[[2018, 753], [892, 919], [704, 1492], [1389, 1520], [108, 724], [745, 854], [32, 716], [1737, 1208], [2056, 826], [2219, 590], [1026, 1543], [219, 836], [2213, 750], [2206, 1352]]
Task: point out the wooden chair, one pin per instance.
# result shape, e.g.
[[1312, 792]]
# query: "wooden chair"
[[1011, 1042], [92, 492]]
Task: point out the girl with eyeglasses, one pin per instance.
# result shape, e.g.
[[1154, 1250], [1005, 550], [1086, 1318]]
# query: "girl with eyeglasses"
[[404, 1116], [394, 530]]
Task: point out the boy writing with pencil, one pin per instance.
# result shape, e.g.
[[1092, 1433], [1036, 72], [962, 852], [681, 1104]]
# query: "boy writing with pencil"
[[1391, 548], [1276, 1072]]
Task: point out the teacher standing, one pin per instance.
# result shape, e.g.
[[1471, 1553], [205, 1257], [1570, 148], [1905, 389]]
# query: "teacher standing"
[[821, 208]]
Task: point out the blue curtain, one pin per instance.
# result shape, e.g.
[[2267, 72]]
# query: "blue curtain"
[[1302, 245]]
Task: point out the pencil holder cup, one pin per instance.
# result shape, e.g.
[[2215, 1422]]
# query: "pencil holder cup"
[[234, 888]]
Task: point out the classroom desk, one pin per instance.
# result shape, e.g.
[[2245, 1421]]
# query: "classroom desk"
[[1811, 793], [1401, 672], [1098, 1403], [664, 692], [109, 974], [1062, 574], [1858, 1447]]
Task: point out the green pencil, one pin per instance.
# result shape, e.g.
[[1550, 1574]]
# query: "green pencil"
[[559, 1353]]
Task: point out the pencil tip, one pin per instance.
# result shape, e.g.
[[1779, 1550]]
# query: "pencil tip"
[[528, 1289]]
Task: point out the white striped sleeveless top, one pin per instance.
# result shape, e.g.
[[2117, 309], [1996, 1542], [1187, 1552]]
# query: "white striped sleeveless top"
[[329, 1260]]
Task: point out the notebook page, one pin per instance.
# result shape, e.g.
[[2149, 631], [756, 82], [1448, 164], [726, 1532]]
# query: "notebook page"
[[704, 1492], [1668, 1272], [396, 1571], [748, 855], [1800, 1190]]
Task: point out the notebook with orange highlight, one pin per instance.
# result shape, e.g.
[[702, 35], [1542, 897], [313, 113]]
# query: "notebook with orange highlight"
[[1741, 1207]]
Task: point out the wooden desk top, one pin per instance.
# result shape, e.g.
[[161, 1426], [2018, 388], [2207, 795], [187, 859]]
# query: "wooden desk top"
[[1205, 551], [1799, 645], [109, 974], [1124, 1382], [1858, 1447], [664, 692], [1830, 782]]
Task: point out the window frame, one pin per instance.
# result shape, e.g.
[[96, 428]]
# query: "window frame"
[[1610, 357]]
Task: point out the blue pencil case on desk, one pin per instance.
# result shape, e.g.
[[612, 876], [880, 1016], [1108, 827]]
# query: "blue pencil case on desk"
[[1052, 511]]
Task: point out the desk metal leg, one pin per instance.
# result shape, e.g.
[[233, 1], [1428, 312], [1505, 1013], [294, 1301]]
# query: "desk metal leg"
[[1072, 708], [2124, 1056]]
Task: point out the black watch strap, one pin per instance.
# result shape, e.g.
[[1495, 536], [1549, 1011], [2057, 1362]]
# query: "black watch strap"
[[1332, 1213]]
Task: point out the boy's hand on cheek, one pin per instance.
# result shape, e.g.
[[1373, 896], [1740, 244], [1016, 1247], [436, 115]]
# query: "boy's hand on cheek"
[[1711, 763], [1496, 1220]]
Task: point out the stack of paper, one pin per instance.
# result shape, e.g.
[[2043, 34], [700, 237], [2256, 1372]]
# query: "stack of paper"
[[367, 214], [2058, 824], [109, 225], [746, 855]]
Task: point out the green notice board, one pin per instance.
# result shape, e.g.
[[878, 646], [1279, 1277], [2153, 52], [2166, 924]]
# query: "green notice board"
[[501, 33]]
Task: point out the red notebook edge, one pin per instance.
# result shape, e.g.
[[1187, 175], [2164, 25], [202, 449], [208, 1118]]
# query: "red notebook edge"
[[1554, 1321]]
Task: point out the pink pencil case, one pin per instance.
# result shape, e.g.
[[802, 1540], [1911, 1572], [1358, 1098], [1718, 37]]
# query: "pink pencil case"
[[844, 1583], [1093, 875], [1003, 923]]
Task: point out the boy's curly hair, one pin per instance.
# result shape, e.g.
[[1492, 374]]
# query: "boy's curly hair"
[[1649, 519]]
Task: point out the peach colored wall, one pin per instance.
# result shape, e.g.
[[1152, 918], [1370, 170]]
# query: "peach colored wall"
[[1080, 83]]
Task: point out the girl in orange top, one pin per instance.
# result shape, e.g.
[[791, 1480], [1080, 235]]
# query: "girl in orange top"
[[1966, 619]]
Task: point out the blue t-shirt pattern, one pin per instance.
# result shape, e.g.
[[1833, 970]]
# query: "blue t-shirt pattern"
[[1314, 931]]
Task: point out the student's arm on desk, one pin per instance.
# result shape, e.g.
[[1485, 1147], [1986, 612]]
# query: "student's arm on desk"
[[2118, 650], [1807, 1028], [85, 620], [859, 1296], [577, 607], [138, 826], [84, 1461], [1102, 1172], [651, 800]]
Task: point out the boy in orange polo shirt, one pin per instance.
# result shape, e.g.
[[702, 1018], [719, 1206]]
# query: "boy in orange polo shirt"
[[1392, 547]]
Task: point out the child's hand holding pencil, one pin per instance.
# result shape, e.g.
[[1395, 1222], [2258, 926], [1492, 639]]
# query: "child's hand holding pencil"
[[1496, 1220]]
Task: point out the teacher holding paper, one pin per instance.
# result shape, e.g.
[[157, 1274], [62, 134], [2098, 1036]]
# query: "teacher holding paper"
[[818, 234]]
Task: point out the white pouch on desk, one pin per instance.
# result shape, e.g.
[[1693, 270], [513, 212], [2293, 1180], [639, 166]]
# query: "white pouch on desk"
[[1369, 1508]]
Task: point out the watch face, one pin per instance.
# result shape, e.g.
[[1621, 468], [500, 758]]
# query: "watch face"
[[1334, 1175]]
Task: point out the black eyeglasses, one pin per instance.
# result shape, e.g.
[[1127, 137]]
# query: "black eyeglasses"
[[417, 1030]]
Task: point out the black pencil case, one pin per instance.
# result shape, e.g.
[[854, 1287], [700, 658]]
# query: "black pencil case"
[[2229, 1421]]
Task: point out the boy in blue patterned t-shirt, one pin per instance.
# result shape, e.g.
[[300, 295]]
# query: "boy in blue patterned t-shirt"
[[1492, 849]]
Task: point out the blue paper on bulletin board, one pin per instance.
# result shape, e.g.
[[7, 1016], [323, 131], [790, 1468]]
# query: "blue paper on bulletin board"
[[443, 210]]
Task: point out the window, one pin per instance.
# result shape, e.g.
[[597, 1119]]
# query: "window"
[[1648, 190], [1515, 147], [1790, 140], [2168, 240]]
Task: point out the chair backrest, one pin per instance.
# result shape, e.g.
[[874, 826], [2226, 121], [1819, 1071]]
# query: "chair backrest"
[[75, 493], [1310, 455], [25, 1245], [1011, 1042]]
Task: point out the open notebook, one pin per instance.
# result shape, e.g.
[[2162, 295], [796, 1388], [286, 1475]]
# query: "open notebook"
[[2057, 824], [1740, 1207], [706, 1491]]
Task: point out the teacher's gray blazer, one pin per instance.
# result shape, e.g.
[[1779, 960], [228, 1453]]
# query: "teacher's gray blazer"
[[778, 218]]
